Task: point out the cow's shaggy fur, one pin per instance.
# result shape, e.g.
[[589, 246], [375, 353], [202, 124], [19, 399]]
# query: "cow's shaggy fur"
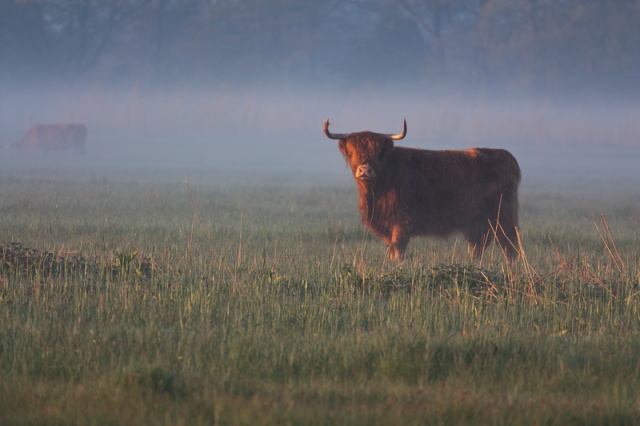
[[405, 192]]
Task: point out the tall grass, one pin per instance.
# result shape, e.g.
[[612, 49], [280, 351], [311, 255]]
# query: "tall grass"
[[267, 303]]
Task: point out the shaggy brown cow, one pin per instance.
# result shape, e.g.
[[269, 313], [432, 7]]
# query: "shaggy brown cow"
[[46, 138], [404, 192]]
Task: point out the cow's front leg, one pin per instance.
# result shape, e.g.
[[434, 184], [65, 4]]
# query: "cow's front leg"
[[397, 243]]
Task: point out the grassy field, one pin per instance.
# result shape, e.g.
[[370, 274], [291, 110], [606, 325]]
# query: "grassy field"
[[136, 299]]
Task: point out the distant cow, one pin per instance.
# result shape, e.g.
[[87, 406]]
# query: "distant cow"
[[46, 138], [404, 192]]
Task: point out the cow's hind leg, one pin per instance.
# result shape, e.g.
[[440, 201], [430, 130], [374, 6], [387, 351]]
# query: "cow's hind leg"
[[478, 238], [504, 233], [506, 229], [507, 235]]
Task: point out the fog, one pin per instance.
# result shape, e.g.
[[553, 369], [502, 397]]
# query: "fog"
[[215, 98], [269, 132]]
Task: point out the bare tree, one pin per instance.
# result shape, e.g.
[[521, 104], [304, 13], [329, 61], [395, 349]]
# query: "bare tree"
[[430, 16], [93, 24]]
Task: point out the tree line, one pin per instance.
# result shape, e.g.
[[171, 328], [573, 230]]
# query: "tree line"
[[503, 45]]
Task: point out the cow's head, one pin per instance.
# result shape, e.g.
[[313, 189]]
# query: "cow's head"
[[365, 151]]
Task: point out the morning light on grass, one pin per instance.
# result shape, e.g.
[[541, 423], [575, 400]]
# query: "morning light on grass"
[[185, 300]]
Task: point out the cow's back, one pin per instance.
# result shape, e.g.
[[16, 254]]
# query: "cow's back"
[[54, 138], [501, 165], [440, 189]]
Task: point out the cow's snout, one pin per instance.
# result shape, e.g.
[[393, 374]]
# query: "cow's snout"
[[365, 171]]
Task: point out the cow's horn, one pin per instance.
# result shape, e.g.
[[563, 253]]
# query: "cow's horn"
[[399, 136], [330, 135]]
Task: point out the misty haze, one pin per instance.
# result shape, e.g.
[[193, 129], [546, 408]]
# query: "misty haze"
[[245, 86]]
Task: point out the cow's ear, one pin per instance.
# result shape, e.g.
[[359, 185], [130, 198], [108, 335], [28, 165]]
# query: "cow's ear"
[[342, 145]]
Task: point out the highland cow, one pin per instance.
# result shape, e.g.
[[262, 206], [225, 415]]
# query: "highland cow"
[[45, 138], [406, 192]]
